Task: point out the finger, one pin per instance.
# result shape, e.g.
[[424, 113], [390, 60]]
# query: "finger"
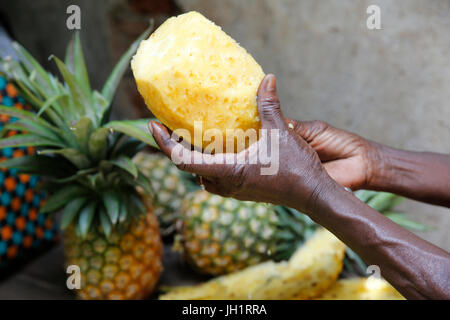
[[186, 159], [206, 165], [308, 130], [215, 187], [269, 105], [343, 172], [292, 124], [162, 137]]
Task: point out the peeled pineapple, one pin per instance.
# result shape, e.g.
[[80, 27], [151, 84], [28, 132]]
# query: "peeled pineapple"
[[361, 289], [190, 70], [310, 272]]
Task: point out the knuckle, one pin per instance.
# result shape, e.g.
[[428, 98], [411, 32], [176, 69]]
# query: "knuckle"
[[270, 101], [238, 176], [182, 166], [319, 125], [166, 140]]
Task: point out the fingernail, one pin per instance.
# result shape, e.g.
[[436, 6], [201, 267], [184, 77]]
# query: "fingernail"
[[270, 82], [150, 127]]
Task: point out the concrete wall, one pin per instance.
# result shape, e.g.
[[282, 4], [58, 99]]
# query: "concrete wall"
[[390, 85]]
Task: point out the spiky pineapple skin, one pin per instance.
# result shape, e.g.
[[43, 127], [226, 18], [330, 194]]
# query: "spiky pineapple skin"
[[127, 265], [222, 235], [168, 187]]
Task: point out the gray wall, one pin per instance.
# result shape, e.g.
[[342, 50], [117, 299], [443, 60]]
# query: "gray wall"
[[390, 85]]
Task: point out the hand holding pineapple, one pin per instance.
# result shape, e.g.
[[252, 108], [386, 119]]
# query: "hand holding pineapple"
[[300, 173], [300, 181], [303, 183]]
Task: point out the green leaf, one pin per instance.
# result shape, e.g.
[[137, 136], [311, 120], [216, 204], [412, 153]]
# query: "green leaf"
[[79, 175], [79, 66], [78, 158], [30, 126], [29, 140], [51, 101], [39, 165], [129, 148], [357, 259], [71, 210], [401, 220], [31, 64], [126, 164], [98, 143], [11, 126], [100, 105], [81, 102], [144, 182], [116, 75], [29, 95], [82, 131], [62, 197], [16, 71], [27, 115], [86, 218], [123, 211], [382, 201], [68, 59], [105, 222], [137, 205], [285, 235], [32, 92], [365, 195], [134, 128], [112, 205]]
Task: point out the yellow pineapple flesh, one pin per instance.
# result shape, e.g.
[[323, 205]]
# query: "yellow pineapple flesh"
[[190, 70], [127, 265], [371, 288]]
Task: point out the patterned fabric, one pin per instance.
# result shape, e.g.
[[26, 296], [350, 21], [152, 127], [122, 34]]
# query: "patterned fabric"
[[22, 227]]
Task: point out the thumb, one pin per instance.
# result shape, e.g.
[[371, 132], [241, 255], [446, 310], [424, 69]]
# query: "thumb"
[[269, 105]]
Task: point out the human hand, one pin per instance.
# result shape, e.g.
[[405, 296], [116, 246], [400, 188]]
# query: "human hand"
[[348, 158], [299, 177]]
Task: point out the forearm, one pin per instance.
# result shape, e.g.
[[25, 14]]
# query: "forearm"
[[422, 176], [415, 267]]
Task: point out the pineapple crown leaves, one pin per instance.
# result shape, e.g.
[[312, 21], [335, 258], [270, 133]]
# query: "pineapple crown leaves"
[[86, 159]]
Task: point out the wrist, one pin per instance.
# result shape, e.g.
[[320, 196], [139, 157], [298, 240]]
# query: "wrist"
[[321, 195], [380, 170]]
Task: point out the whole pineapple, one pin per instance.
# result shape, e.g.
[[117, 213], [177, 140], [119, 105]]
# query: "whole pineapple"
[[168, 185], [222, 235], [110, 232], [125, 265]]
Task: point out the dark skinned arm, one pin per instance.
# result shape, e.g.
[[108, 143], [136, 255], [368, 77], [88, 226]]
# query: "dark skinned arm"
[[358, 163], [423, 176], [310, 178], [415, 267]]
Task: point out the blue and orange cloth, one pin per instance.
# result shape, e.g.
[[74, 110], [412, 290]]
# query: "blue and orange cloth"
[[22, 227]]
